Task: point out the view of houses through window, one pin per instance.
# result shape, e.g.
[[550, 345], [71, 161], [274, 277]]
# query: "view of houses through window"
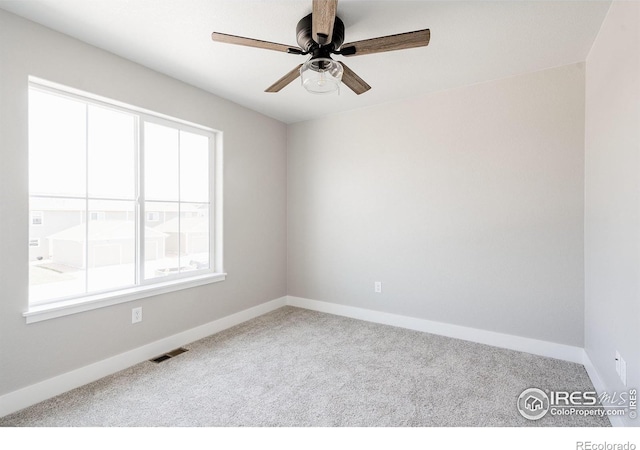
[[117, 198]]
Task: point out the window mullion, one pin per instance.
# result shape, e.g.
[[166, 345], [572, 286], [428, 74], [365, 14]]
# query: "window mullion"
[[86, 199], [179, 210], [215, 204], [140, 206]]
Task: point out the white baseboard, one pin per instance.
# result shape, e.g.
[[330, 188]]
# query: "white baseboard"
[[30, 395], [528, 345], [522, 344]]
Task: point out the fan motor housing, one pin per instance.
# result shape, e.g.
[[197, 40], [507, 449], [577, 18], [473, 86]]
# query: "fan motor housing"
[[304, 36]]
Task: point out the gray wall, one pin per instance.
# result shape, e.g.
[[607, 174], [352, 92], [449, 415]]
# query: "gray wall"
[[254, 207], [612, 208], [467, 205]]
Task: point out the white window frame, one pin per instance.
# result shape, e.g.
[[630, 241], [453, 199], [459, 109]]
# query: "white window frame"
[[144, 288]]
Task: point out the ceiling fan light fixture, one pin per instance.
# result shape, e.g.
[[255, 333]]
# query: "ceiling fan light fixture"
[[321, 75], [321, 34]]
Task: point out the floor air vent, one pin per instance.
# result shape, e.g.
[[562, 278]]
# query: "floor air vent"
[[168, 355]]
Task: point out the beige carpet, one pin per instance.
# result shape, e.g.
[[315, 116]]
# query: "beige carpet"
[[295, 367]]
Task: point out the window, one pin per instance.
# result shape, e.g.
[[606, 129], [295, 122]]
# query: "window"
[[36, 217], [128, 195]]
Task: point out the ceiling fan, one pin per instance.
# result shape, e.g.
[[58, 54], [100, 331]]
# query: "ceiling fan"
[[321, 34]]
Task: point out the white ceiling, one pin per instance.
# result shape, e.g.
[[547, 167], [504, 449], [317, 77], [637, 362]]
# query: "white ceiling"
[[471, 42]]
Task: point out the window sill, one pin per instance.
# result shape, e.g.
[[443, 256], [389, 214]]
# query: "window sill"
[[68, 307]]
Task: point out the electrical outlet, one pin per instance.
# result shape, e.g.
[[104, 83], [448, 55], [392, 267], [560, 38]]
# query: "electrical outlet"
[[623, 371], [377, 286], [617, 362], [136, 315]]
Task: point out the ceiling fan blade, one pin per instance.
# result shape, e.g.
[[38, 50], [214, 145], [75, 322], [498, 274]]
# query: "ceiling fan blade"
[[248, 42], [285, 80], [353, 81], [401, 41], [323, 18]]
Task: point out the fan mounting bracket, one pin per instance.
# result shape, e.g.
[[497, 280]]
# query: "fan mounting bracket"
[[305, 40]]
